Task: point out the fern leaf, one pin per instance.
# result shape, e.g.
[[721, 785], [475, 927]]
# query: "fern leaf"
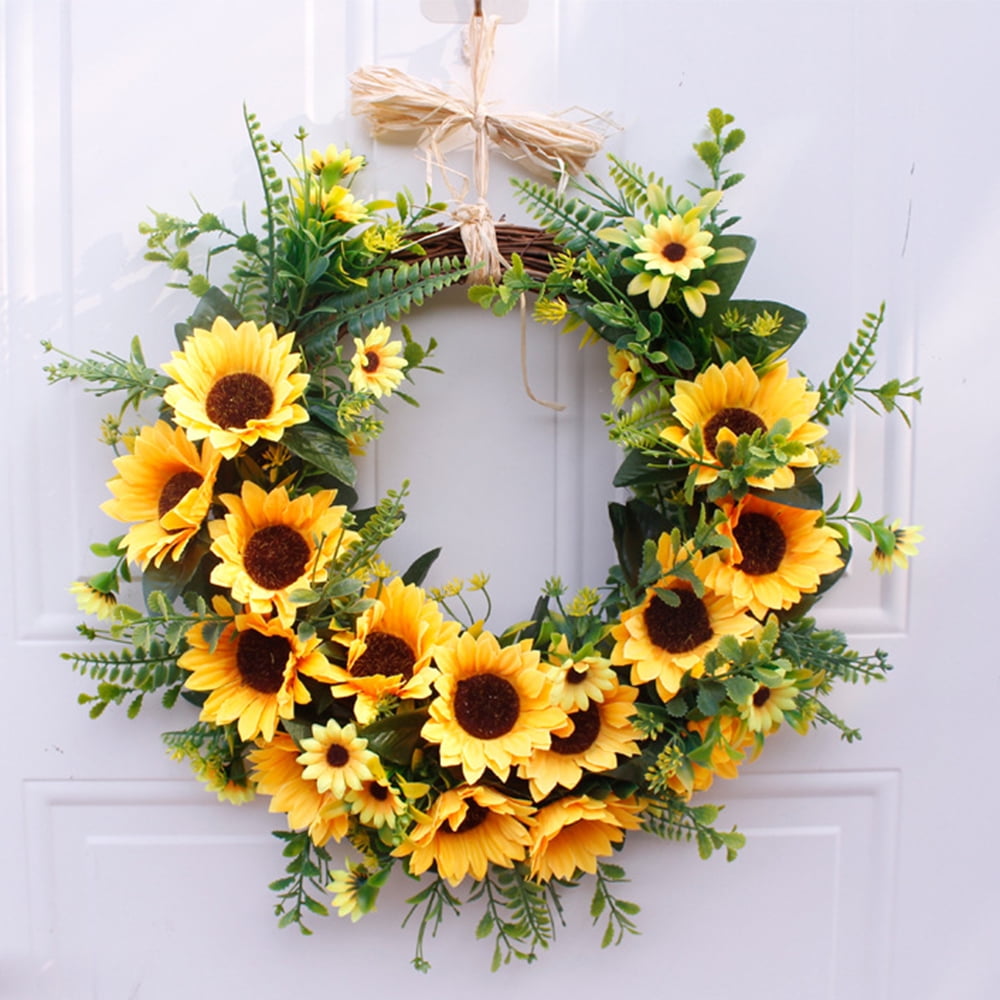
[[571, 222], [858, 360], [640, 427]]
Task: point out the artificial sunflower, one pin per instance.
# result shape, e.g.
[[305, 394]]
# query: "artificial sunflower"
[[165, 486], [577, 680], [253, 671], [337, 759], [278, 773], [331, 164], [765, 709], [389, 653], [625, 368], [602, 732], [570, 834], [377, 365], [236, 386], [467, 829], [661, 641], [493, 707], [92, 601], [270, 546], [904, 545], [674, 247], [725, 402], [728, 751], [778, 553], [376, 803]]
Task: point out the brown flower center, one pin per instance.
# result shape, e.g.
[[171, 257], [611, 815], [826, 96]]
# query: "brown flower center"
[[261, 660], [761, 696], [337, 755], [486, 706], [378, 792], [175, 488], [736, 419], [674, 252], [762, 543], [574, 676], [475, 815], [586, 726], [678, 629], [384, 654], [372, 361], [238, 398], [276, 556]]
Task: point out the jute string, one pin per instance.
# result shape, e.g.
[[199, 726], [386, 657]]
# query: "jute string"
[[394, 101]]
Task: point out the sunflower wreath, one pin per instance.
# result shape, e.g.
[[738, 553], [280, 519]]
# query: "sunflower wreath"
[[369, 710]]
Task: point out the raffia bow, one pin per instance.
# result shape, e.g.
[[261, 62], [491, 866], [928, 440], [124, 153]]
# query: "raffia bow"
[[394, 101]]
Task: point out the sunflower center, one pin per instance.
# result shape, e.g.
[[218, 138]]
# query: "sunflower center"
[[762, 543], [736, 419], [674, 252], [337, 755], [586, 726], [175, 488], [372, 361], [574, 676], [261, 660], [761, 695], [378, 792], [238, 398], [276, 556], [486, 706], [384, 654], [475, 815], [678, 629]]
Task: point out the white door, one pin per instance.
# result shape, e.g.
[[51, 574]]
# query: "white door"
[[872, 174]]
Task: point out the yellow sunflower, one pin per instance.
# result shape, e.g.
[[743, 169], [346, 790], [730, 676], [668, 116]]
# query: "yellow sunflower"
[[778, 554], [577, 682], [467, 829], [377, 365], [765, 709], [389, 652], [725, 402], [904, 545], [337, 759], [166, 486], [601, 732], [727, 753], [269, 546], [253, 671], [235, 386], [278, 773], [331, 164], [625, 368], [663, 642], [674, 247], [493, 707], [570, 834], [376, 803], [92, 601]]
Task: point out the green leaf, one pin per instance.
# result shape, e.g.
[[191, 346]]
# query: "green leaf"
[[680, 355], [418, 569], [325, 449], [485, 926], [212, 304], [739, 689]]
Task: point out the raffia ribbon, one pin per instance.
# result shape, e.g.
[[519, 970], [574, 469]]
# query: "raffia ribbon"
[[394, 101]]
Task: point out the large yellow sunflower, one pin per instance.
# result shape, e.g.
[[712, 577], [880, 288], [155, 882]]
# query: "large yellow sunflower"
[[269, 546], [389, 652], [601, 732], [253, 671], [663, 642], [278, 773], [467, 829], [493, 707], [235, 386], [570, 834], [377, 366], [166, 486], [778, 554], [725, 402]]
